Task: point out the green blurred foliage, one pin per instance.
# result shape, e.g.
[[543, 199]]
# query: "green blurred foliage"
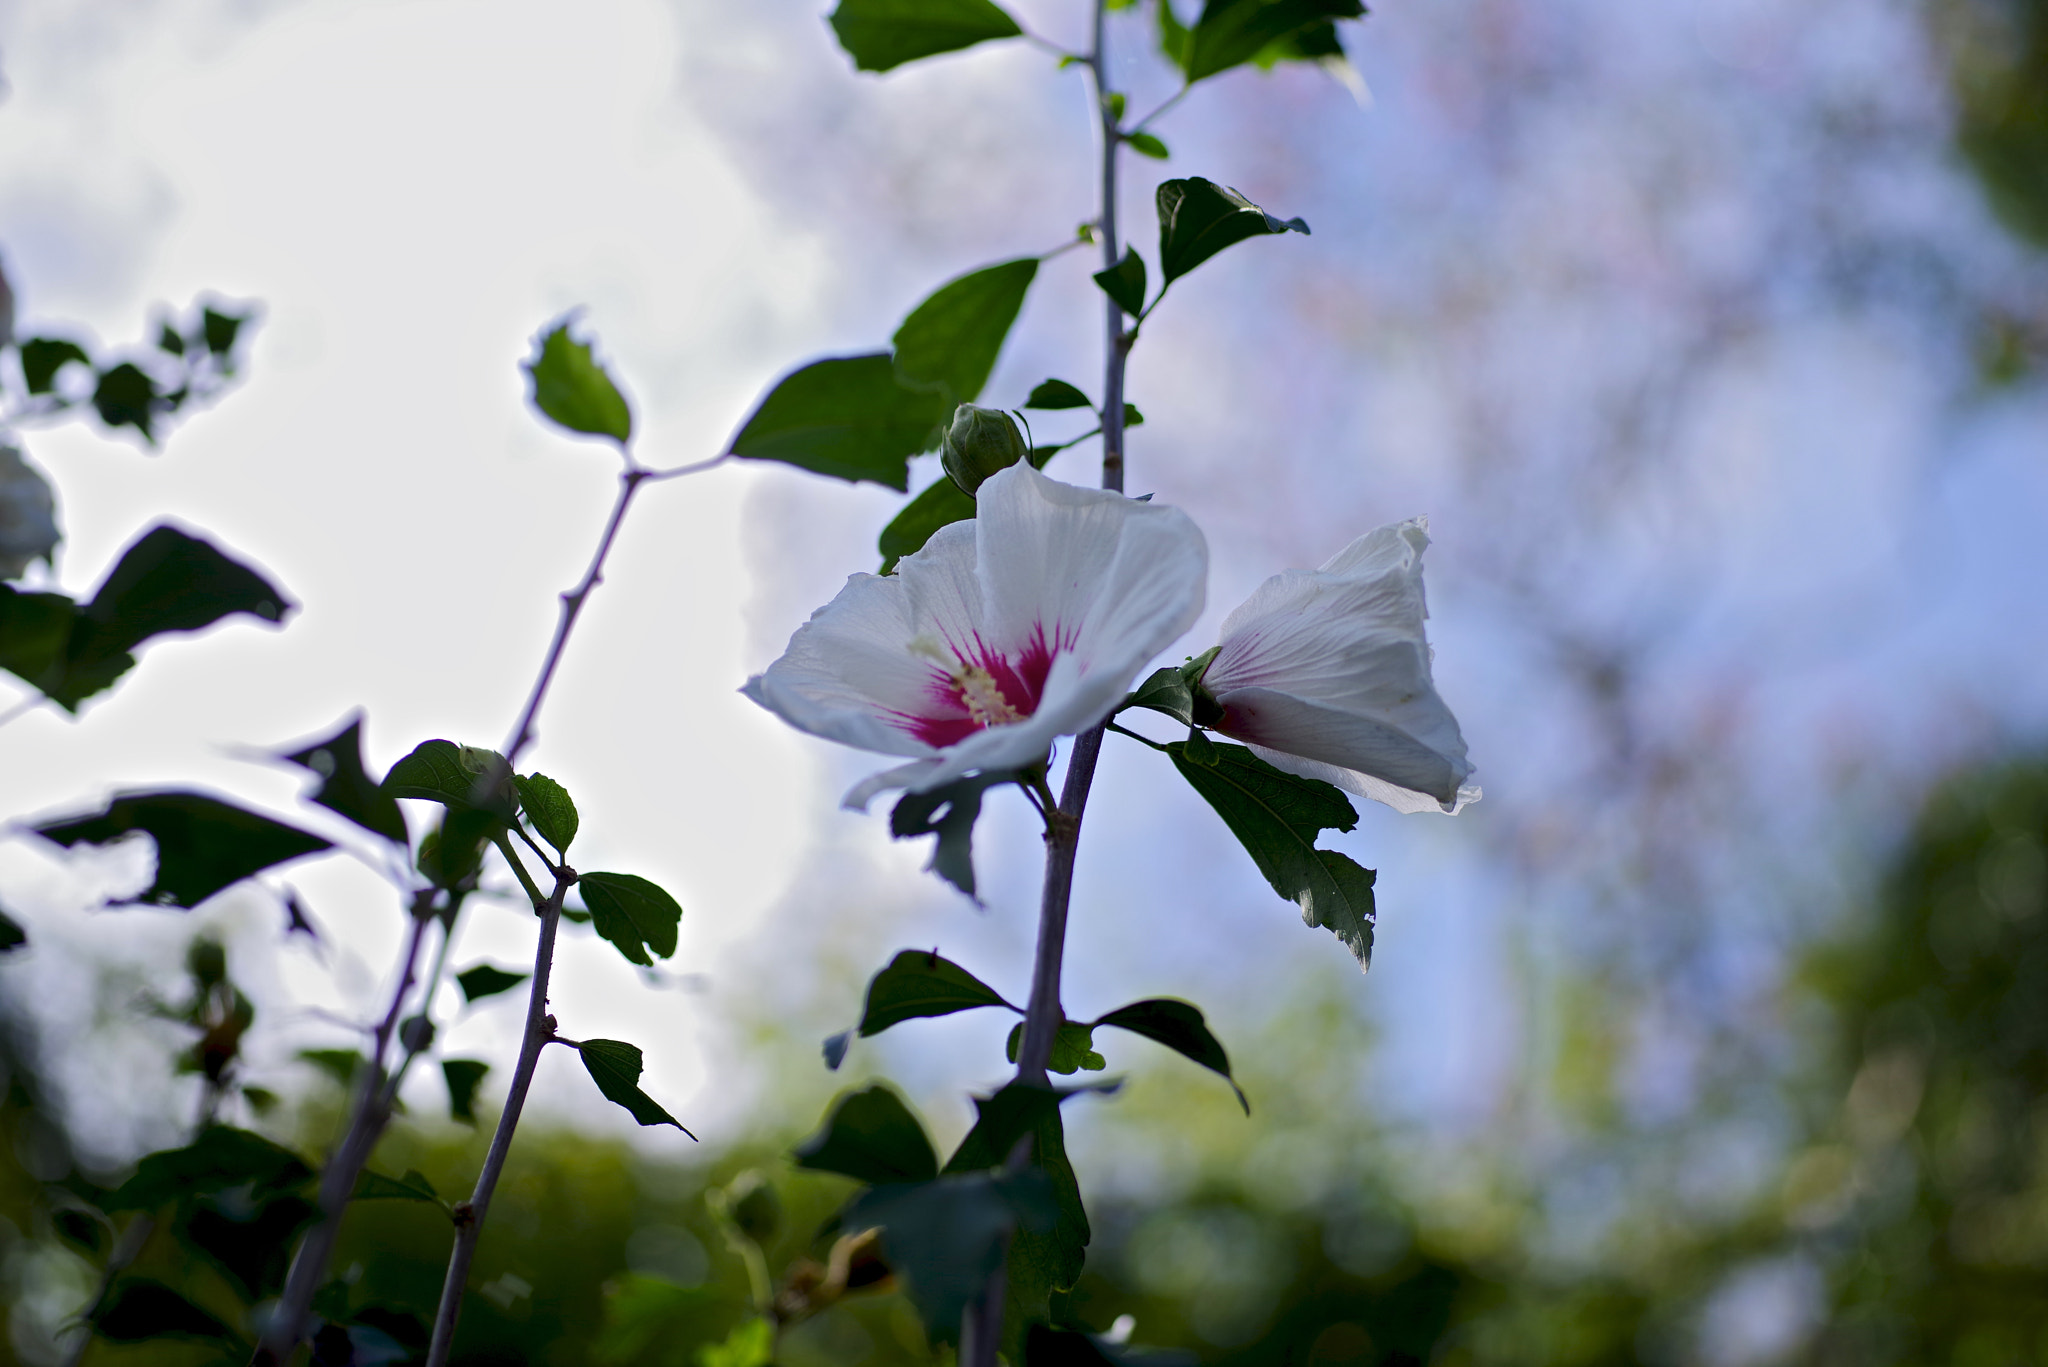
[[1998, 63]]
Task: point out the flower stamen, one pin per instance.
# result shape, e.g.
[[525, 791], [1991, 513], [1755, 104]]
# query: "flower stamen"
[[983, 697]]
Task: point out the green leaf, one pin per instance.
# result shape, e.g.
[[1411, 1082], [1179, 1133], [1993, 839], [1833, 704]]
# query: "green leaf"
[[1073, 1049], [750, 1344], [221, 329], [1125, 283], [940, 505], [1133, 418], [1198, 218], [1277, 816], [872, 1137], [1232, 32], [202, 844], [1165, 691], [453, 851], [1173, 36], [166, 581], [946, 1237], [126, 397], [950, 341], [457, 776], [550, 808], [615, 1068], [573, 390], [36, 627], [220, 1158], [375, 1186], [846, 417], [1041, 1261], [1179, 1026], [339, 1064], [1055, 394], [464, 1076], [486, 981], [168, 340], [345, 788], [139, 1310], [12, 936], [634, 914], [43, 357], [880, 34], [1145, 145], [919, 983], [949, 812]]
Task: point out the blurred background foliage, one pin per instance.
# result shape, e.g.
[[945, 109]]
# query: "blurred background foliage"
[[1903, 1217]]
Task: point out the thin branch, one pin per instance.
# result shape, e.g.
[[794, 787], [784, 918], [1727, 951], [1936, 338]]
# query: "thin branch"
[[678, 471], [1126, 731], [469, 1215], [1142, 124]]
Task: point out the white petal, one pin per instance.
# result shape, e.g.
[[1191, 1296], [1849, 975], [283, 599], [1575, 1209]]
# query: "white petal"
[[1401, 800], [863, 661], [913, 775], [1346, 740]]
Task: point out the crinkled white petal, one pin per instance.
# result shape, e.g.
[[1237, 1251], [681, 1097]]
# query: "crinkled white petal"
[[1403, 800], [911, 775], [1331, 668]]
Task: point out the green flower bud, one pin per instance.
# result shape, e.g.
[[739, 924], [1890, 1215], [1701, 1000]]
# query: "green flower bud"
[[980, 442]]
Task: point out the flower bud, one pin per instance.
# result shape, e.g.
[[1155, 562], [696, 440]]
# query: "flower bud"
[[980, 442]]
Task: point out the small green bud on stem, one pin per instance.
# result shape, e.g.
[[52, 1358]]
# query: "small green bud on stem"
[[980, 442]]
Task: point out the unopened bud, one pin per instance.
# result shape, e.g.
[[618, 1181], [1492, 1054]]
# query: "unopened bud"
[[980, 442]]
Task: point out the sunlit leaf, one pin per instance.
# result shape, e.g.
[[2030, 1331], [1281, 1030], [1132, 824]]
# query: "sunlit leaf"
[[202, 844], [573, 390], [1073, 1049], [550, 808], [1144, 144]]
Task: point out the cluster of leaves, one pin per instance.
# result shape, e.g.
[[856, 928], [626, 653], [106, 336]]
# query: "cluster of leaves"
[[187, 362]]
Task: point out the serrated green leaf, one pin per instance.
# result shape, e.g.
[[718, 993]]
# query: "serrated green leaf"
[[846, 417], [948, 812], [486, 981], [550, 808], [950, 341], [1232, 32], [345, 788], [1057, 394], [202, 844], [918, 983], [1145, 145], [463, 1076], [220, 1158], [574, 391], [43, 357], [1277, 817], [881, 34], [1073, 1049], [1180, 1027], [457, 776], [872, 1137], [1165, 691], [615, 1067], [1125, 283], [375, 1186], [1198, 218], [634, 914]]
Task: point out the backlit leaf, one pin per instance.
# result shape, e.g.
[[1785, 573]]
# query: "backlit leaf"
[[880, 34], [202, 844], [872, 1137], [125, 396], [1232, 32], [634, 914], [550, 808], [948, 812], [615, 1068], [463, 1076], [486, 981], [846, 417], [919, 983], [458, 776], [951, 340], [573, 390], [375, 1186], [345, 788], [1180, 1027]]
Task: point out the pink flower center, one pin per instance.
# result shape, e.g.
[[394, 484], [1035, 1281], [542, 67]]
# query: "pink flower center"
[[976, 687]]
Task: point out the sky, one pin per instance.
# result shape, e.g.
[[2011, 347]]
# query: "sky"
[[1663, 316]]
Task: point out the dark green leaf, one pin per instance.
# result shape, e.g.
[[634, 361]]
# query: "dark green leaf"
[[919, 983], [1277, 816], [202, 845], [486, 981], [1133, 418], [571, 388], [166, 581], [12, 936], [375, 1186], [126, 397], [1073, 1049], [947, 1236], [261, 1099], [615, 1068], [550, 809], [464, 1076], [222, 1157], [632, 913], [1198, 218], [1041, 1262], [35, 628], [168, 340], [1179, 1026], [1145, 145], [835, 1049], [345, 788], [251, 1246], [1173, 36], [219, 330], [949, 812], [43, 357], [453, 851], [1054, 394], [1125, 283], [81, 1229], [880, 34], [940, 504], [1164, 690], [951, 340], [458, 776], [140, 1310], [339, 1064], [872, 1137], [1232, 32], [847, 417]]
